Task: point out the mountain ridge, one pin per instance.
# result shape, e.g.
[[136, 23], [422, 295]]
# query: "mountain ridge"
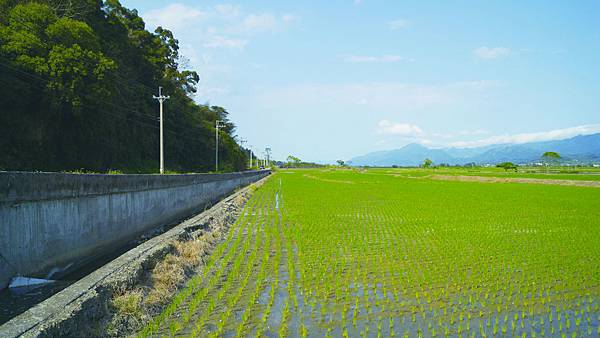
[[581, 148]]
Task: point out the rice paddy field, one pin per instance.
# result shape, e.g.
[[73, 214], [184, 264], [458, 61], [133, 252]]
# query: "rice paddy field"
[[393, 252]]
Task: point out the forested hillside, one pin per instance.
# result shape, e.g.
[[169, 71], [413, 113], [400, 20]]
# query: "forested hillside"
[[77, 79]]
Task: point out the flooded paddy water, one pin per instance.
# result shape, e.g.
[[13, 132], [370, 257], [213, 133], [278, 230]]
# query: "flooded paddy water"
[[393, 256]]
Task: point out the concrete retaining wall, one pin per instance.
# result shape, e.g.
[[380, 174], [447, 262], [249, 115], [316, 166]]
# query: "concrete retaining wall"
[[51, 221]]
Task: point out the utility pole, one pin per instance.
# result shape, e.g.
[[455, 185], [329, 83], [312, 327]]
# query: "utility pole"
[[268, 152], [242, 142], [161, 98], [218, 124], [250, 150]]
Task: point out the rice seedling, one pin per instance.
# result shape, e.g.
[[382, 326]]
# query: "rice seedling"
[[381, 253]]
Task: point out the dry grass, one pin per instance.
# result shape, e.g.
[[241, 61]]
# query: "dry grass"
[[191, 252], [129, 303], [158, 287], [170, 272], [252, 188], [165, 277]]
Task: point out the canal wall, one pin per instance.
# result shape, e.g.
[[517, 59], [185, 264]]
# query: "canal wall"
[[55, 222]]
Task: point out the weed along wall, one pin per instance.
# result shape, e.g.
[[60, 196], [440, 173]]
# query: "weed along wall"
[[51, 221]]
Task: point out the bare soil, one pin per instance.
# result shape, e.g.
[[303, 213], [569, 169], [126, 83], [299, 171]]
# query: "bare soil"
[[487, 179]]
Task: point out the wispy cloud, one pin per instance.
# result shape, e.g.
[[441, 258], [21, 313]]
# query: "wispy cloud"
[[220, 41], [206, 32], [175, 16], [398, 24], [227, 10], [219, 26], [413, 133], [353, 111], [386, 127], [556, 134], [373, 59], [264, 22], [490, 53], [473, 132], [381, 96]]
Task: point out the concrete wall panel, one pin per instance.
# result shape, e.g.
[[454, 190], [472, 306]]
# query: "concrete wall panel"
[[52, 221]]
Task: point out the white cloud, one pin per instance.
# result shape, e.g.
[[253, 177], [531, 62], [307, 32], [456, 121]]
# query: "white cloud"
[[349, 113], [212, 91], [287, 18], [228, 11], [220, 42], [489, 53], [223, 25], [398, 24], [207, 33], [473, 132], [175, 16], [259, 23], [557, 134], [386, 127], [373, 59]]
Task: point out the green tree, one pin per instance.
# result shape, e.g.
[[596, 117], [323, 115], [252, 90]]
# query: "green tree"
[[293, 161], [82, 74], [551, 156], [507, 166], [427, 163]]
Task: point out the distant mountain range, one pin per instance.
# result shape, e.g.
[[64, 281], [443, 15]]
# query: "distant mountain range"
[[583, 148]]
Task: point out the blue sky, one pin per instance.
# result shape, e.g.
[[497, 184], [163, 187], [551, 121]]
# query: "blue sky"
[[327, 80]]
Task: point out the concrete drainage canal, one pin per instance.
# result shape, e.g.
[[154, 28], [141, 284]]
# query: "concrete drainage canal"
[[106, 231], [24, 293]]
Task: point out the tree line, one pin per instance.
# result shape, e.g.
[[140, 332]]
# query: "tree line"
[[77, 79]]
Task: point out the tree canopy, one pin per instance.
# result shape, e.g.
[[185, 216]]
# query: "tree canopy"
[[293, 160], [551, 155], [78, 79], [507, 166]]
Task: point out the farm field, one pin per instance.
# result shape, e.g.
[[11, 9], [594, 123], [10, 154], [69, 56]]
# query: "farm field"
[[577, 174], [327, 252]]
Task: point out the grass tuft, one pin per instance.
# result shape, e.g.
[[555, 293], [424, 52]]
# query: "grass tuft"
[[129, 303]]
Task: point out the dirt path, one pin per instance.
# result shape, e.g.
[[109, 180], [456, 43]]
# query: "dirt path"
[[486, 179]]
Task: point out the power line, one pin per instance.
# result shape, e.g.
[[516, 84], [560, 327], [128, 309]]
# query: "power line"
[[182, 134], [32, 30], [120, 108], [125, 82], [38, 77]]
